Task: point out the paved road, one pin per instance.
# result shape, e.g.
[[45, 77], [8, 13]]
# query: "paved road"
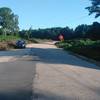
[[61, 76], [16, 75], [44, 72]]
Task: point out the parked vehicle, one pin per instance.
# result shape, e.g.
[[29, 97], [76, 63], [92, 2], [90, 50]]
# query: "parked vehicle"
[[20, 44]]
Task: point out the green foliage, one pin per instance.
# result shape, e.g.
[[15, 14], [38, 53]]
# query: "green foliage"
[[61, 44], [81, 31], [87, 47], [8, 38], [94, 31], [49, 33], [76, 43], [8, 21], [88, 31], [1, 31], [94, 8]]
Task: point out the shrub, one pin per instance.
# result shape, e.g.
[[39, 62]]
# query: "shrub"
[[60, 45], [3, 46], [87, 47], [7, 45], [11, 44]]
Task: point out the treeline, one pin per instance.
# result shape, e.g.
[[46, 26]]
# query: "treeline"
[[9, 26], [81, 31]]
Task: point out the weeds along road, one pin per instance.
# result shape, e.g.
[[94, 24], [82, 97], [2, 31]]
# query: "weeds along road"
[[43, 72]]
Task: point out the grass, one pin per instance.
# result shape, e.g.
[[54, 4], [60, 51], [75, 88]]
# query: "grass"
[[8, 42], [8, 38], [87, 47]]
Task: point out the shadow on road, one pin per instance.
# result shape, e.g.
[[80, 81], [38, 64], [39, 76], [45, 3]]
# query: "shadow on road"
[[17, 52], [46, 55], [45, 95], [58, 56], [16, 80], [18, 95]]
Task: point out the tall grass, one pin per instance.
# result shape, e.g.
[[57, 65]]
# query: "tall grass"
[[88, 48], [8, 38], [8, 42]]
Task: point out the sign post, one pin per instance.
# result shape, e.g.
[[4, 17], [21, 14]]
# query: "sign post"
[[61, 37]]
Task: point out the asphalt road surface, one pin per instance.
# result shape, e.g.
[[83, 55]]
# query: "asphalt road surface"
[[44, 72], [16, 75], [61, 76]]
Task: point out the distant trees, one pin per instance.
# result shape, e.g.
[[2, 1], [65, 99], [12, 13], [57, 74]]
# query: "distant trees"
[[48, 33], [94, 31], [94, 8], [9, 25], [67, 32], [88, 31], [8, 21], [81, 31]]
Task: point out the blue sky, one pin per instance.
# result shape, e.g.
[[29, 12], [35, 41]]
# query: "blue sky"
[[50, 13]]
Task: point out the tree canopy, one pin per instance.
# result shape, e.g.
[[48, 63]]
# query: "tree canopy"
[[8, 20], [94, 8]]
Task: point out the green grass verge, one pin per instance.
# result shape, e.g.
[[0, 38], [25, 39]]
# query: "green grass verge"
[[87, 48], [8, 42], [8, 38]]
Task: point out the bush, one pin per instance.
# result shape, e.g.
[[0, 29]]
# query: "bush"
[[87, 47], [3, 46], [60, 44], [77, 43], [7, 45], [8, 38], [11, 44]]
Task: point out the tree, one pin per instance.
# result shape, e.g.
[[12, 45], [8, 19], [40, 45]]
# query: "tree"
[[28, 33], [94, 31], [81, 30], [94, 8], [8, 20], [1, 21]]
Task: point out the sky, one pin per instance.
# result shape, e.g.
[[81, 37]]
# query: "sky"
[[50, 13]]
